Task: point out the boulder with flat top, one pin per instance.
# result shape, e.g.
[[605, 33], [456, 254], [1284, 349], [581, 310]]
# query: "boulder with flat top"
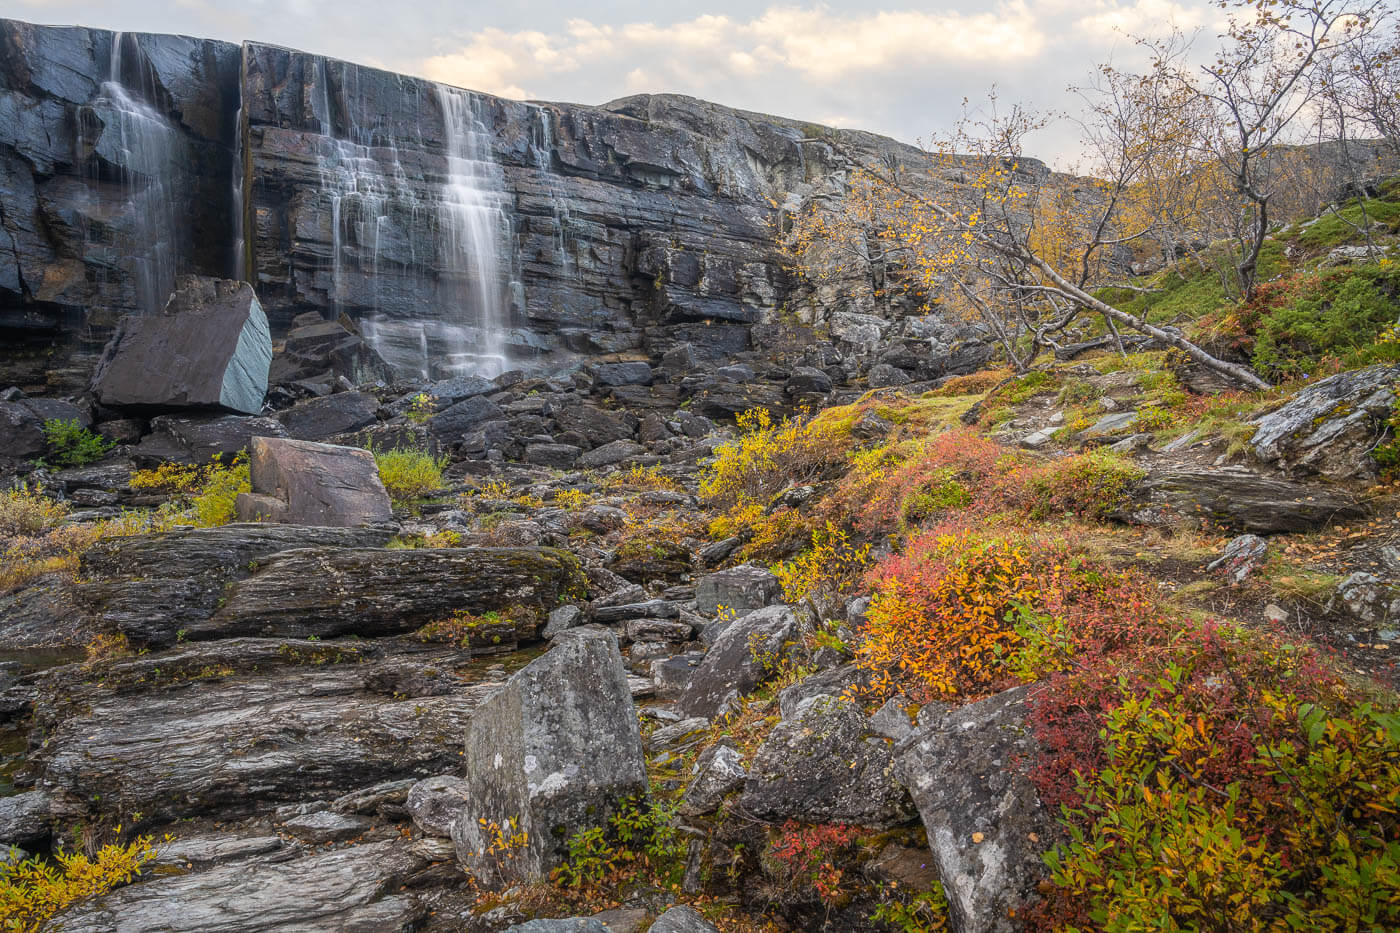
[[306, 483]]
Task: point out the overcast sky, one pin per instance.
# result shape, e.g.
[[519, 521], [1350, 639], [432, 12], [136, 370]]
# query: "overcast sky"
[[893, 67]]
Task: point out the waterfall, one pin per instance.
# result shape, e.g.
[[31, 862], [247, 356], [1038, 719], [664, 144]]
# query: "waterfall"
[[472, 227], [145, 148], [542, 144]]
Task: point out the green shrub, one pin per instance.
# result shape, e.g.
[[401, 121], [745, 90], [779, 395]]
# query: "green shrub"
[[409, 474], [1325, 318], [72, 445], [1091, 484]]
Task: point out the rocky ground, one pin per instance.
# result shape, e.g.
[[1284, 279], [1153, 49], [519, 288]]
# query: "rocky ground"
[[285, 710]]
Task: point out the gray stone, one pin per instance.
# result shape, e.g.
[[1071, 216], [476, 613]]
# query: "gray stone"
[[669, 630], [622, 374], [1365, 598], [387, 797], [892, 720], [1241, 557], [682, 920], [557, 456], [718, 773], [1109, 425], [24, 819], [326, 826], [320, 418], [562, 619], [883, 375], [834, 682], [344, 889], [435, 802], [210, 349], [305, 483], [611, 611], [823, 766], [1038, 439], [681, 734], [670, 675], [967, 773], [1330, 427], [214, 848], [370, 592], [740, 589], [557, 749], [1237, 499], [739, 660], [562, 925], [199, 438], [609, 454], [456, 420]]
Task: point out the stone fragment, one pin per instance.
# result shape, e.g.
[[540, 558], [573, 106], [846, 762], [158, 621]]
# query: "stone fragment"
[[1365, 597], [326, 826], [24, 819], [556, 750], [561, 925], [718, 773], [609, 454], [320, 418], [318, 352], [306, 483], [210, 349], [651, 608], [562, 619], [883, 375], [1241, 557], [739, 589], [433, 803], [682, 920], [966, 770], [557, 456], [622, 374], [199, 438], [738, 661], [823, 766]]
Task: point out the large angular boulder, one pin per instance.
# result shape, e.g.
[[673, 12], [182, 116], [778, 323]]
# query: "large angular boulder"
[[305, 483], [317, 352], [966, 771], [739, 589], [1237, 499], [368, 592], [210, 349], [557, 750], [1330, 427], [825, 765], [744, 653], [317, 419]]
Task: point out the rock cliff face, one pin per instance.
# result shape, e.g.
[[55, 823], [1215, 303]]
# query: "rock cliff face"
[[459, 228]]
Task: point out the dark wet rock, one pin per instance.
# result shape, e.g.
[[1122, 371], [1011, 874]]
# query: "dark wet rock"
[[24, 819], [557, 456], [43, 613], [328, 592], [724, 400], [150, 587], [320, 418], [622, 374], [1242, 556], [198, 439], [739, 589], [807, 380], [558, 749], [719, 772], [22, 424], [670, 675], [1240, 500], [326, 826], [883, 375], [306, 483], [966, 771], [609, 454], [596, 425], [824, 765], [1330, 427], [349, 889], [435, 802], [319, 352], [210, 349], [738, 661], [445, 393], [457, 420]]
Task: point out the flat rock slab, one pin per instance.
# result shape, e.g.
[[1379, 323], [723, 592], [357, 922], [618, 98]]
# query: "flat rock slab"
[[558, 749], [1239, 500], [150, 587], [335, 891], [306, 483], [210, 349], [234, 728], [328, 592]]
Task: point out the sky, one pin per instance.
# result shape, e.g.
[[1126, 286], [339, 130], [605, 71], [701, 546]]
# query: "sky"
[[897, 68]]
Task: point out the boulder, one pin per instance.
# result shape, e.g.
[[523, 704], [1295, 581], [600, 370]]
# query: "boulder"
[[318, 352], [210, 349], [883, 375], [453, 422], [622, 374], [1237, 499], [682, 920], [740, 589], [326, 592], [596, 425], [22, 424], [557, 750], [1240, 558], [556, 456], [741, 657], [24, 819], [561, 925], [319, 418], [1366, 598], [825, 765], [325, 826], [609, 454], [305, 483], [966, 770], [1330, 427], [433, 803]]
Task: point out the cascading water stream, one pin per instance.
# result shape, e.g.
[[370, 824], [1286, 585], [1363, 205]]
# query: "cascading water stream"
[[473, 226], [145, 148]]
